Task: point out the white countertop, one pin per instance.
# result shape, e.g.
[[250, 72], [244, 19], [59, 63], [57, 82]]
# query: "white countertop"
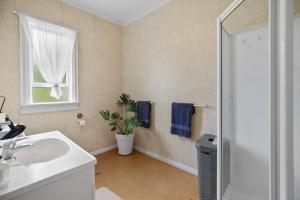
[[25, 178]]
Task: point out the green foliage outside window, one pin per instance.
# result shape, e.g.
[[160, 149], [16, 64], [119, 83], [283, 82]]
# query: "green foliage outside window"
[[42, 94]]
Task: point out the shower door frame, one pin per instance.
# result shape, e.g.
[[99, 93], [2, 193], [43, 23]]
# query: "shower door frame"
[[281, 181]]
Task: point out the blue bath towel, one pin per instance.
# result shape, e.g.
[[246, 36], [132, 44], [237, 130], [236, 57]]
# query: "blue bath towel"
[[181, 123], [144, 113]]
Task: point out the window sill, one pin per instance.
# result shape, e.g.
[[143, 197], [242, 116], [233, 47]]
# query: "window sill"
[[48, 107]]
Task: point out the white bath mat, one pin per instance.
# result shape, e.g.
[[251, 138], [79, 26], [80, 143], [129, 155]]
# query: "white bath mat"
[[104, 193]]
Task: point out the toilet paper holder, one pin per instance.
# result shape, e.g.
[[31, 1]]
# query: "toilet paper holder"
[[79, 116], [81, 121]]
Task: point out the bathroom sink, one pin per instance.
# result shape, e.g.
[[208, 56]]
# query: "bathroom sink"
[[43, 150], [53, 161]]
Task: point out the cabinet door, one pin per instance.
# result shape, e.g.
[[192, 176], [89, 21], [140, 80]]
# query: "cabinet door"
[[77, 186]]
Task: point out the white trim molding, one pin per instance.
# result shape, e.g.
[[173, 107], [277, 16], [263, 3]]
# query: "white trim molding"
[[103, 150], [167, 160], [145, 11], [121, 20], [152, 155], [45, 107]]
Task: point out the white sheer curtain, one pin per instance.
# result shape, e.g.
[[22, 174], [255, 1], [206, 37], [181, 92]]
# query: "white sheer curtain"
[[52, 48]]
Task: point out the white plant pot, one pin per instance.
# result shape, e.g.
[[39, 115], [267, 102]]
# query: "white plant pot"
[[125, 143]]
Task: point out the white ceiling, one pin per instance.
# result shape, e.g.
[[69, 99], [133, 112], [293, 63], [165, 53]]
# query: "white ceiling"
[[121, 12]]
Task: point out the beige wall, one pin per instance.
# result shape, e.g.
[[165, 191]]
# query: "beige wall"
[[168, 56], [100, 70]]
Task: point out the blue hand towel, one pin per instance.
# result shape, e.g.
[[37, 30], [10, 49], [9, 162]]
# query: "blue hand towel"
[[182, 119], [144, 113]]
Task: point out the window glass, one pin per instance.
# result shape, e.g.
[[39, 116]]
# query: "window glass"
[[42, 95]]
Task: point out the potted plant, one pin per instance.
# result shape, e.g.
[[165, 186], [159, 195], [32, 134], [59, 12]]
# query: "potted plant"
[[123, 126]]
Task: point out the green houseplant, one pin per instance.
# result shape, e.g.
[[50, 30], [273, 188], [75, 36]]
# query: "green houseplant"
[[123, 126]]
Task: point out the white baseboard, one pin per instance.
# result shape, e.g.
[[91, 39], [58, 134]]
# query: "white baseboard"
[[167, 160], [153, 155], [103, 150]]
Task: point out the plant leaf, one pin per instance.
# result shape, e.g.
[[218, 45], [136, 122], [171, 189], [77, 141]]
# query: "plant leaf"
[[123, 125], [105, 114], [124, 99]]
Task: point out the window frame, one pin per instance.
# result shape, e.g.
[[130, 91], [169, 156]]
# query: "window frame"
[[27, 82]]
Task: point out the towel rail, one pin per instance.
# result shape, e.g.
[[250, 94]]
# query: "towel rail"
[[196, 105], [199, 105]]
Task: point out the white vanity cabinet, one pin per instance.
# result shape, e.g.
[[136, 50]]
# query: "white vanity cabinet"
[[77, 186], [55, 168]]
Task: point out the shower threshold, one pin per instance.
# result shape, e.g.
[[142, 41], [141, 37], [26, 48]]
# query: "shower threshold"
[[233, 193]]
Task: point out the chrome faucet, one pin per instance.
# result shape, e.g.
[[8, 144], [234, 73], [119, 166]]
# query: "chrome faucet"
[[11, 147]]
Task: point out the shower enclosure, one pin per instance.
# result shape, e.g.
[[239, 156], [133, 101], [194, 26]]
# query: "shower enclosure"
[[258, 43]]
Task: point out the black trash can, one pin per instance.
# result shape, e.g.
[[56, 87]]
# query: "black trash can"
[[207, 167]]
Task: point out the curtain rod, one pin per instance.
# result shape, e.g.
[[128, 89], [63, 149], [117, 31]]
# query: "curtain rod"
[[17, 13]]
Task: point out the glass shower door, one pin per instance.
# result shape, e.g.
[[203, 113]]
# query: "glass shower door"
[[245, 102]]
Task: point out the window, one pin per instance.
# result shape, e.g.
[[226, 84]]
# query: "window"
[[48, 65]]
